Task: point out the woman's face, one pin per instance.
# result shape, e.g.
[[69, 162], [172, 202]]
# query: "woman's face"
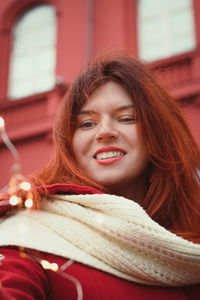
[[105, 142]]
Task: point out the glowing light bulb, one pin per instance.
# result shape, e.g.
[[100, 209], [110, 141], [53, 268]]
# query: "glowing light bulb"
[[2, 123], [28, 203], [14, 200], [54, 267], [22, 254], [25, 186], [45, 264]]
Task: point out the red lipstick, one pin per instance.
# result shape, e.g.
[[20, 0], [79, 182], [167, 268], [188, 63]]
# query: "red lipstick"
[[108, 161]]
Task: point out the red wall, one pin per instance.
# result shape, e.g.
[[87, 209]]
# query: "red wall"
[[85, 27]]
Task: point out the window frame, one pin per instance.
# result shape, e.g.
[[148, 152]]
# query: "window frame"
[[196, 15], [11, 15]]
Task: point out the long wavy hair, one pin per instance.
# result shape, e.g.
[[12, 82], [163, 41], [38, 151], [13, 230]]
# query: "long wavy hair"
[[173, 194]]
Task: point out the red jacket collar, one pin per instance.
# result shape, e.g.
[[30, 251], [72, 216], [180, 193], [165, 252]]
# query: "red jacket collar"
[[63, 188], [60, 188]]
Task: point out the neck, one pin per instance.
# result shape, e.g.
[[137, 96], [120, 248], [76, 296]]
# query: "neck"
[[135, 191]]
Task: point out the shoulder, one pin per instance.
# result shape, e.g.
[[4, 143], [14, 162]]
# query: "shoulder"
[[57, 188], [64, 188], [21, 276]]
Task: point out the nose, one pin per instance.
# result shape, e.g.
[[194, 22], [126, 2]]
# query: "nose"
[[106, 131]]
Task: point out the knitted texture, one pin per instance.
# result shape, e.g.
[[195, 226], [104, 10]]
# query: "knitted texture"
[[109, 233]]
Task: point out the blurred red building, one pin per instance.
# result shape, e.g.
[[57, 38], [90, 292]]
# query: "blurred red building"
[[45, 44]]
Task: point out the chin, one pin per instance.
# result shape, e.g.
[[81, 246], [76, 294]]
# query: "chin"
[[110, 182]]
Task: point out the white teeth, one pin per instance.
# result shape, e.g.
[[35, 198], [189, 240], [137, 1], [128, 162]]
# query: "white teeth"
[[109, 154]]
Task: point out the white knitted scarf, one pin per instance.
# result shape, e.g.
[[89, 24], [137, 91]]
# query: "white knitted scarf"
[[109, 233]]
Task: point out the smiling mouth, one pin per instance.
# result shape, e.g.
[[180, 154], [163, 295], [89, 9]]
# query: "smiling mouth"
[[109, 154]]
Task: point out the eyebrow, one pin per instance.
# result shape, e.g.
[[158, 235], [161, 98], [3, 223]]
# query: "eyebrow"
[[121, 108]]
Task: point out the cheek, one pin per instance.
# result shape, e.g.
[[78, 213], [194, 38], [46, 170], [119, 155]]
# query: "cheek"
[[76, 144], [82, 149], [139, 148], [81, 146]]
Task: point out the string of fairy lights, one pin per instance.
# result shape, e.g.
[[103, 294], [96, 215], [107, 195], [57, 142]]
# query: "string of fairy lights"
[[17, 193], [17, 185]]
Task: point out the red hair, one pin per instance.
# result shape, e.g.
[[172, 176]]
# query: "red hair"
[[172, 197]]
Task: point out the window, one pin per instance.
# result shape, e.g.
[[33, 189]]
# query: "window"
[[33, 54], [165, 28]]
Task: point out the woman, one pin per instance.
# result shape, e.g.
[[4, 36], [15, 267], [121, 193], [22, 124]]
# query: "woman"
[[119, 201]]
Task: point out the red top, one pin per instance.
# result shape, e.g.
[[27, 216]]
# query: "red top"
[[23, 278]]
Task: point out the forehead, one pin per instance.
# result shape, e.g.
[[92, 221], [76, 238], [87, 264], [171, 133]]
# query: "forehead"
[[110, 95]]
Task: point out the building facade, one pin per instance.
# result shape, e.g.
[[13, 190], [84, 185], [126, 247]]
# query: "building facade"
[[45, 44]]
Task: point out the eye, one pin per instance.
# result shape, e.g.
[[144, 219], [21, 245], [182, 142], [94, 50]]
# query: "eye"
[[87, 124], [127, 119]]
